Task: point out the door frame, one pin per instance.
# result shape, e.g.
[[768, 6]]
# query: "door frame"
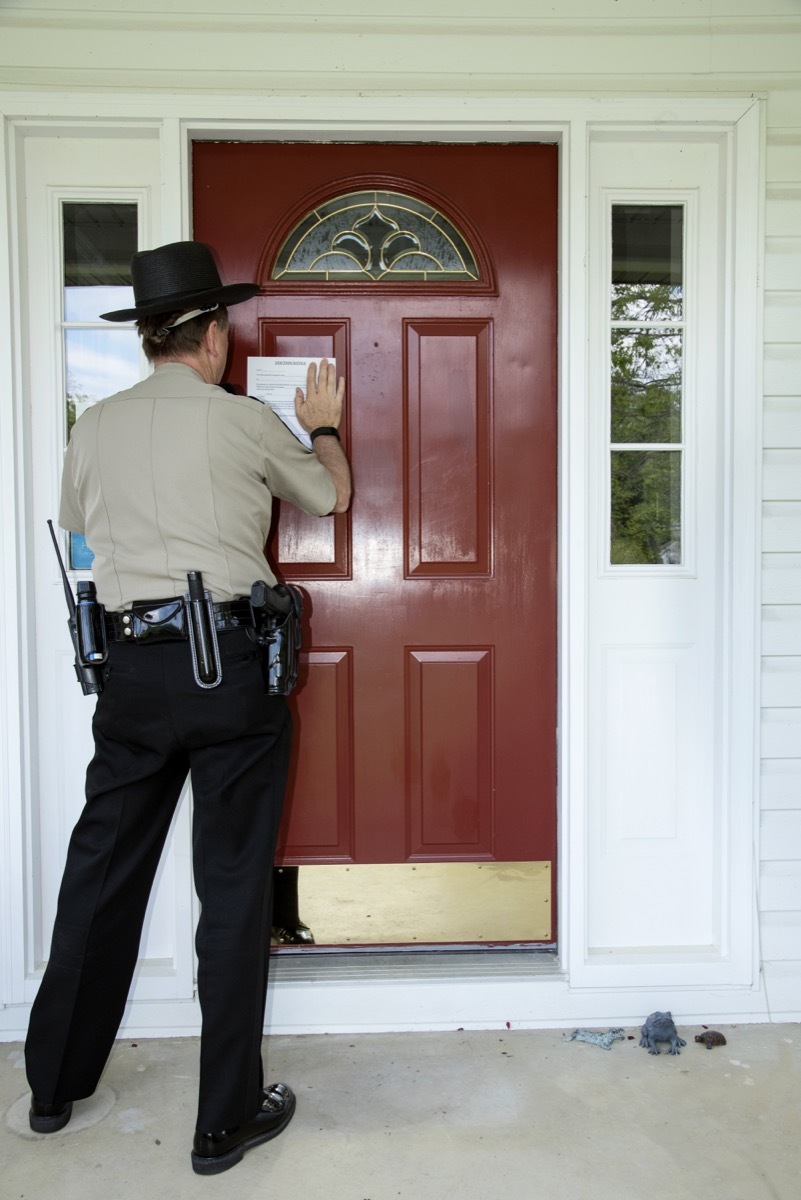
[[558, 133], [571, 123]]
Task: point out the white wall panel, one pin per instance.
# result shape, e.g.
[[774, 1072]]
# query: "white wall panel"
[[781, 835], [781, 732], [781, 936], [783, 210], [781, 582], [656, 819], [783, 364], [780, 886], [781, 627], [780, 982], [780, 784], [781, 681], [783, 106], [781, 526], [783, 310], [783, 158], [645, 692], [780, 474], [781, 424]]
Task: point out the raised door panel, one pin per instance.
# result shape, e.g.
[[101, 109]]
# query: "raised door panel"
[[448, 400], [305, 547]]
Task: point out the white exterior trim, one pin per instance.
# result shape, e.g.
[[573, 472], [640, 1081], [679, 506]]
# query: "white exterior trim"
[[484, 997], [722, 877]]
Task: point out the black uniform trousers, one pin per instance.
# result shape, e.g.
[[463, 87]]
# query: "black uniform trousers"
[[153, 724]]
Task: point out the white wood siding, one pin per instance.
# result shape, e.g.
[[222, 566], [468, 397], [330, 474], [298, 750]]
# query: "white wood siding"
[[780, 856]]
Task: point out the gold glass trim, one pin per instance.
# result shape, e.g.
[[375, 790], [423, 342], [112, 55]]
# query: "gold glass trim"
[[373, 236]]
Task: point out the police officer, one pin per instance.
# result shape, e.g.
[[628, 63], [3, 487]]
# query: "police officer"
[[173, 476]]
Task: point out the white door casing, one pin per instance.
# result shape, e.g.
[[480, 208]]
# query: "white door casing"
[[55, 170]]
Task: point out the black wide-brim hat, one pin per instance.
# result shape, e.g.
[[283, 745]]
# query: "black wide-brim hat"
[[178, 277]]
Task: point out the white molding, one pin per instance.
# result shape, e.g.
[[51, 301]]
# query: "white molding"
[[11, 762], [746, 294], [176, 185], [379, 1003], [16, 622], [311, 117], [372, 51], [574, 501]]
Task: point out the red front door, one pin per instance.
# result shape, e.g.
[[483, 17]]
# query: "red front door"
[[426, 713]]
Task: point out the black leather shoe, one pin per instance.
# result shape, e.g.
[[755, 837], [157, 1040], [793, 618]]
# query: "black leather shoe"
[[216, 1152], [48, 1118], [295, 935]]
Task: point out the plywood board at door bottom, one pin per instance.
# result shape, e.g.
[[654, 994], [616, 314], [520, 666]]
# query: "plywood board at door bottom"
[[407, 903]]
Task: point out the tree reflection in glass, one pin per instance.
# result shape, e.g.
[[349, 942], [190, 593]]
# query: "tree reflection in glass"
[[646, 384], [646, 507]]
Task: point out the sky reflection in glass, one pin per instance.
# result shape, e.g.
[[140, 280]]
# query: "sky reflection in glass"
[[87, 303]]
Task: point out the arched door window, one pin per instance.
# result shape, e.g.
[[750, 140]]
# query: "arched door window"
[[375, 236]]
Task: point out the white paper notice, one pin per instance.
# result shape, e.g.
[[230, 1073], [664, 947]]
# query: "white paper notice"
[[273, 381]]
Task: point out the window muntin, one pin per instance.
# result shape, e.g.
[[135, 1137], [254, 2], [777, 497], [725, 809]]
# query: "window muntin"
[[646, 421], [98, 239], [375, 236]]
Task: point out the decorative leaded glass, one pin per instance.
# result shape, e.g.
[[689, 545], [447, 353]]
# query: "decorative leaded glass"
[[373, 236]]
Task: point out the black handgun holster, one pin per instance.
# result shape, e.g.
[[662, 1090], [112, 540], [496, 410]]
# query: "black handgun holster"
[[276, 630]]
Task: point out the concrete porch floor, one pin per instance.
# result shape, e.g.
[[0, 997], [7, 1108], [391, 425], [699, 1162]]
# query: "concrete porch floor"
[[433, 1116]]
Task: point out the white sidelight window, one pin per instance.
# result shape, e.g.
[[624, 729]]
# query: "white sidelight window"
[[646, 409], [90, 203], [667, 874]]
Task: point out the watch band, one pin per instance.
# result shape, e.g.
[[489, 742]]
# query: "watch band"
[[324, 431]]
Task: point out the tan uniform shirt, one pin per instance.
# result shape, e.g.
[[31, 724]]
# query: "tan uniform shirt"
[[176, 475]]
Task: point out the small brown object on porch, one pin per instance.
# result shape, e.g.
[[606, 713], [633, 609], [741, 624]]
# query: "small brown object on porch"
[[710, 1038]]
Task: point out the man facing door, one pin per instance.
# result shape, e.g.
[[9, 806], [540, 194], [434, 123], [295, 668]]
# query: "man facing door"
[[171, 478]]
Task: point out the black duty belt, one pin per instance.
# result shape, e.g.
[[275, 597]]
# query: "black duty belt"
[[166, 620]]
